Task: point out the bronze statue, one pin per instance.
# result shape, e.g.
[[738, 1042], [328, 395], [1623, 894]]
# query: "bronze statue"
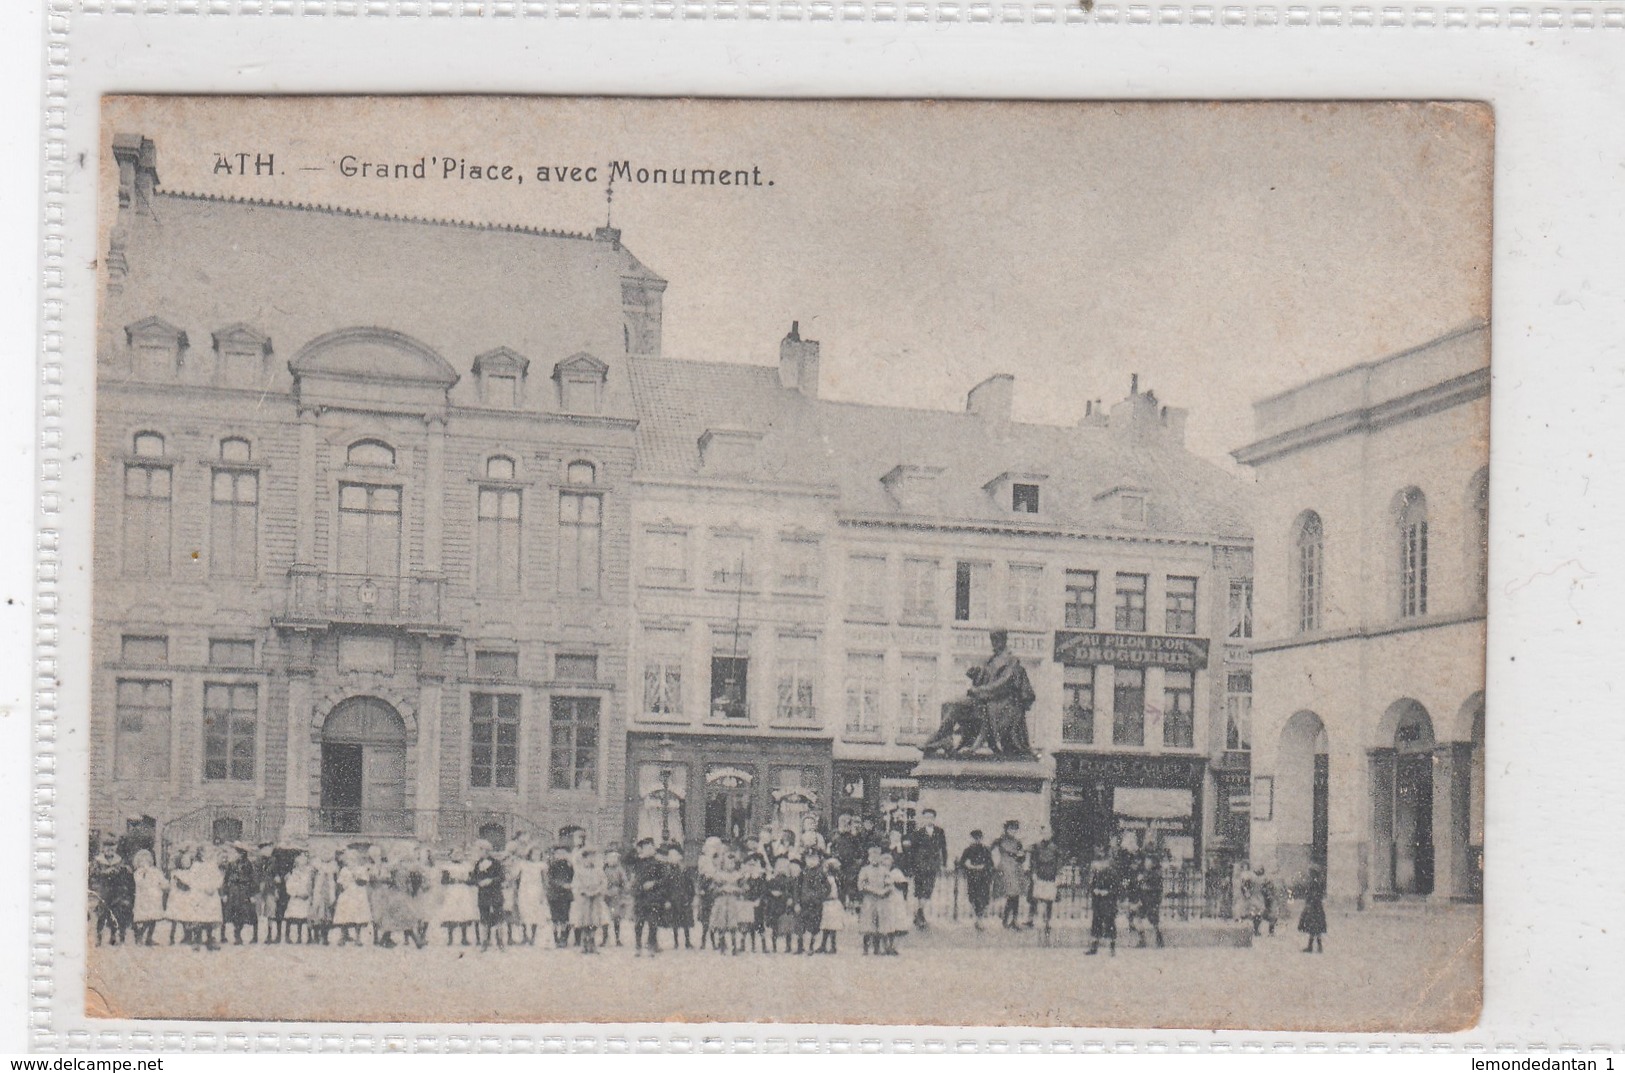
[[991, 718]]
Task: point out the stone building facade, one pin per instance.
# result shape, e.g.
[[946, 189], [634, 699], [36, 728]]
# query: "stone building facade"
[[363, 513], [1372, 531]]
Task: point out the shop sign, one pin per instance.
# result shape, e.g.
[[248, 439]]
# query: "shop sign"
[[1085, 648], [1119, 769]]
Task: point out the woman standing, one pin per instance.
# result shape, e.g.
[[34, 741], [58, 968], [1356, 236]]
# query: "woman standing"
[[530, 893], [324, 896], [300, 884], [459, 903]]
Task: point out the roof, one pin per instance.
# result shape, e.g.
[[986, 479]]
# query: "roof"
[[297, 272], [850, 447]]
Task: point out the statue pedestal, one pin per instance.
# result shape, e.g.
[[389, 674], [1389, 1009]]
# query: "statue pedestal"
[[983, 793]]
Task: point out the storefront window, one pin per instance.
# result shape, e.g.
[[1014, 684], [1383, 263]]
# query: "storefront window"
[[727, 802], [795, 795], [662, 801]]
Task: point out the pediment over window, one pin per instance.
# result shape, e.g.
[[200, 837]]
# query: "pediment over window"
[[501, 362], [582, 364], [155, 332], [373, 354], [241, 339]]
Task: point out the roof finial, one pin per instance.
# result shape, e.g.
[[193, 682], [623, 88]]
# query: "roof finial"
[[609, 203]]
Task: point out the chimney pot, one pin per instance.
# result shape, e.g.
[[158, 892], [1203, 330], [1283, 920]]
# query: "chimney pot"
[[798, 362]]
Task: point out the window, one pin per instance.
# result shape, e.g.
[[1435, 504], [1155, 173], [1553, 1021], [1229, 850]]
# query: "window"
[[920, 590], [866, 586], [146, 520], [497, 536], [1024, 498], [799, 564], [579, 472], [665, 557], [578, 395], [235, 449], [1026, 594], [580, 536], [1413, 554], [571, 667], [798, 670], [795, 796], [663, 672], [730, 688], [230, 716], [1238, 710], [500, 468], [573, 759], [502, 391], [918, 714], [234, 523], [865, 675], [370, 453], [1130, 609], [1478, 547], [1240, 610], [970, 591], [1181, 601], [1080, 599], [1128, 706], [492, 664], [1078, 713], [369, 530], [141, 730], [1178, 709], [730, 561], [493, 736], [133, 649], [1131, 509], [1307, 576], [231, 653], [148, 445]]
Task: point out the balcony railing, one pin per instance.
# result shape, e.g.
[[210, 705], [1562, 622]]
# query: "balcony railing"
[[320, 595]]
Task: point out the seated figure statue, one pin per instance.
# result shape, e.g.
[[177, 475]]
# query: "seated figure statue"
[[991, 719]]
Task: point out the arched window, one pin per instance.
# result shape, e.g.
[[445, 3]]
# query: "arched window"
[[148, 445], [235, 449], [370, 453], [581, 473], [1478, 542], [1308, 563], [499, 468], [1411, 512]]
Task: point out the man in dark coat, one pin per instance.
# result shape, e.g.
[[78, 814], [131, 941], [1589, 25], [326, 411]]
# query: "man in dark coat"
[[238, 888], [977, 864], [1105, 884], [489, 880], [651, 890], [847, 847], [927, 855]]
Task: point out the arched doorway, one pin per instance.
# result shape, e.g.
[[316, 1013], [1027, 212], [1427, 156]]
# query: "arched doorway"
[[364, 769], [1402, 800], [1302, 797]]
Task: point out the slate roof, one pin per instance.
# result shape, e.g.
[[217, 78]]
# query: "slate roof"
[[848, 447], [295, 272]]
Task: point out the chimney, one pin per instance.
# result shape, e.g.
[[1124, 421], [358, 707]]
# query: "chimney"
[[798, 362], [137, 171], [1094, 415], [1173, 424], [991, 398], [1136, 417]]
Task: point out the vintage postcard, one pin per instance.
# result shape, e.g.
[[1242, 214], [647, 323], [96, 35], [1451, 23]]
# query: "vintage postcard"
[[866, 562]]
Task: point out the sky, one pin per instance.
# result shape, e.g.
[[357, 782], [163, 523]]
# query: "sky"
[[1222, 251]]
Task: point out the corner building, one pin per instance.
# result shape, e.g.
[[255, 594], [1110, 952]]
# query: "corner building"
[[361, 541], [813, 578], [1371, 539]]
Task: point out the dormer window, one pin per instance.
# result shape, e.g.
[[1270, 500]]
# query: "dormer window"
[[580, 382], [1124, 505], [240, 348], [501, 375], [728, 450], [1131, 509], [1024, 498], [157, 347], [148, 445], [371, 453]]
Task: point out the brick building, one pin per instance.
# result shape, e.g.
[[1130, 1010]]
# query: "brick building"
[[361, 552]]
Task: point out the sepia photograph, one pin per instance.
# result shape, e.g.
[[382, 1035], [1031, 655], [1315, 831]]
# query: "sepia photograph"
[[584, 560]]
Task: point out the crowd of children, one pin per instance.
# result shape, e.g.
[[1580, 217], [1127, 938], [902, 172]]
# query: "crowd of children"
[[778, 893]]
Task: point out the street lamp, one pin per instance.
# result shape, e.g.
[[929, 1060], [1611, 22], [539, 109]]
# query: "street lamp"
[[665, 787]]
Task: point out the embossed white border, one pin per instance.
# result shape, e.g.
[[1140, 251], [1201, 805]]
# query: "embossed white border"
[[1555, 952]]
